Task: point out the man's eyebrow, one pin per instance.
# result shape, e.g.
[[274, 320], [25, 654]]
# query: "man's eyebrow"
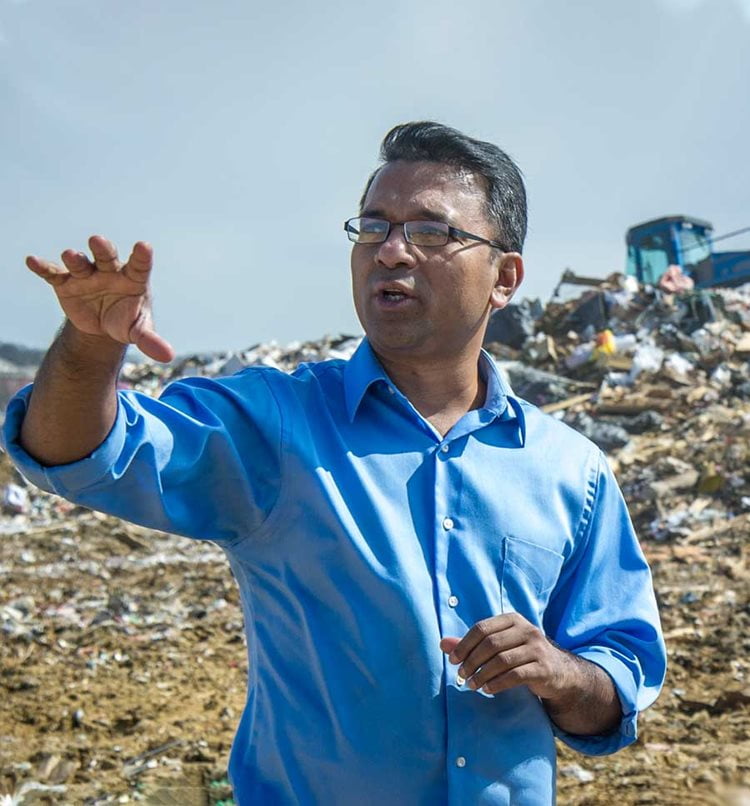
[[425, 213]]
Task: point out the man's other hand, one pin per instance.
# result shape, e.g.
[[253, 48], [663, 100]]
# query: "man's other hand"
[[103, 296], [505, 651], [501, 652]]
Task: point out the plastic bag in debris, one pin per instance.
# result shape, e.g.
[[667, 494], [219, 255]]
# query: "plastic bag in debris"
[[537, 386], [699, 309], [675, 281], [14, 500], [678, 368], [647, 358], [513, 324], [590, 314], [721, 377], [642, 423], [607, 436], [580, 355]]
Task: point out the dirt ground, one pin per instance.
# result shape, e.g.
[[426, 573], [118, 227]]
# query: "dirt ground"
[[123, 668]]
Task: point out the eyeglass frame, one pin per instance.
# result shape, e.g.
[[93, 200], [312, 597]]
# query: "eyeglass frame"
[[453, 232]]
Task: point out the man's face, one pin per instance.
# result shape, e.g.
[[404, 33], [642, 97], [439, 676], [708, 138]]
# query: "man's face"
[[427, 301]]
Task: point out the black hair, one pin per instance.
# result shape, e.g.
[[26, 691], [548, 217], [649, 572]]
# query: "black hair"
[[426, 141]]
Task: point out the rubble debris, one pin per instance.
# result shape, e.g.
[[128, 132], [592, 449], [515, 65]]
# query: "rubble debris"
[[514, 324], [540, 387], [608, 436]]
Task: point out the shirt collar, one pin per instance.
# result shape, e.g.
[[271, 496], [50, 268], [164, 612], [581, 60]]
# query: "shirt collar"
[[363, 370]]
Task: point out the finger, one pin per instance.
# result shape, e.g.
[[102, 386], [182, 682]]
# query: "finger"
[[448, 644], [50, 272], [477, 634], [150, 343], [139, 263], [497, 665], [493, 645], [147, 340], [105, 254], [77, 264], [523, 675]]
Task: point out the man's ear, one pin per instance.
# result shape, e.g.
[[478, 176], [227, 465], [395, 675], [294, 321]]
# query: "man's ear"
[[509, 277]]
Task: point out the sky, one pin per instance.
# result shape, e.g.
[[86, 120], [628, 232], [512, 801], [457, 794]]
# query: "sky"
[[236, 138]]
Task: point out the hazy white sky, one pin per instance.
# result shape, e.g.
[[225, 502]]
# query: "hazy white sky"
[[236, 137]]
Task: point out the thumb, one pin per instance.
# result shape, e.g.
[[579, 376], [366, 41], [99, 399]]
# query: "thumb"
[[147, 340], [448, 644], [150, 343]]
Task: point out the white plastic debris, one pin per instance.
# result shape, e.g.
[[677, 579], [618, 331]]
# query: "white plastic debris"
[[577, 772], [15, 499]]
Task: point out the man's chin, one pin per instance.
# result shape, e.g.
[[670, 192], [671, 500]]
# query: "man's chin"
[[395, 340]]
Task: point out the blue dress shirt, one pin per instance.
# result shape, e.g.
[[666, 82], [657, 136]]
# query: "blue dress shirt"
[[359, 538]]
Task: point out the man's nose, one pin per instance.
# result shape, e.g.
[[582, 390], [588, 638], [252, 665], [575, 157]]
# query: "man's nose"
[[395, 250]]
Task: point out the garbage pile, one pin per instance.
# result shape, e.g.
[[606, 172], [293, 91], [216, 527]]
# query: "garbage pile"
[[660, 381], [122, 665]]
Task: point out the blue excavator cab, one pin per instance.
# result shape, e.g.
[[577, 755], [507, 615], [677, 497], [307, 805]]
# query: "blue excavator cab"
[[680, 240]]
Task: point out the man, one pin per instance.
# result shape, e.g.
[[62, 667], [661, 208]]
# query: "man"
[[436, 578]]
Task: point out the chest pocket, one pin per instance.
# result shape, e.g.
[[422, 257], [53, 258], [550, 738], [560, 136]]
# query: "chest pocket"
[[530, 572]]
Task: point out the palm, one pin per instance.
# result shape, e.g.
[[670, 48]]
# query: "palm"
[[105, 297], [104, 304]]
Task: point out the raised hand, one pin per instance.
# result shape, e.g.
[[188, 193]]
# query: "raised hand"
[[105, 297]]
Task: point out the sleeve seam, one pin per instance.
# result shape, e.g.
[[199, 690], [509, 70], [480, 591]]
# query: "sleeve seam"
[[591, 503]]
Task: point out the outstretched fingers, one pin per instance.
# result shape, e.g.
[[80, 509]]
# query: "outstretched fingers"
[[116, 301]]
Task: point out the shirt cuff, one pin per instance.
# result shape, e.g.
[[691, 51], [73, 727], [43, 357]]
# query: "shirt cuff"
[[60, 479], [627, 732]]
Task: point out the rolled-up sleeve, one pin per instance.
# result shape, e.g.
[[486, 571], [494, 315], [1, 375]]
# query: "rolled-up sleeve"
[[204, 460], [604, 610]]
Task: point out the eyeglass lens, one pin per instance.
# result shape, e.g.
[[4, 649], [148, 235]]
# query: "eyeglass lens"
[[419, 233]]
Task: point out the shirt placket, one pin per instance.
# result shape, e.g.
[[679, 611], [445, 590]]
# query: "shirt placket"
[[447, 528]]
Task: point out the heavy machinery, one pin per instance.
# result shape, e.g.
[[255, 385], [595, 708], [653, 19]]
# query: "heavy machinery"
[[686, 242]]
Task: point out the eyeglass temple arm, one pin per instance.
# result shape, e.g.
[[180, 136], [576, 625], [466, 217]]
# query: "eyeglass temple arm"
[[454, 231]]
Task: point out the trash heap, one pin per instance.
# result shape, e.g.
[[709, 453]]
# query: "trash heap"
[[122, 660], [661, 382]]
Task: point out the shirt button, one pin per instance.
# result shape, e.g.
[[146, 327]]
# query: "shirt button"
[[447, 524], [445, 448], [460, 761], [453, 601], [391, 390]]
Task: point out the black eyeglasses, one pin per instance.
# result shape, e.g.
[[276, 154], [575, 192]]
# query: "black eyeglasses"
[[420, 233]]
